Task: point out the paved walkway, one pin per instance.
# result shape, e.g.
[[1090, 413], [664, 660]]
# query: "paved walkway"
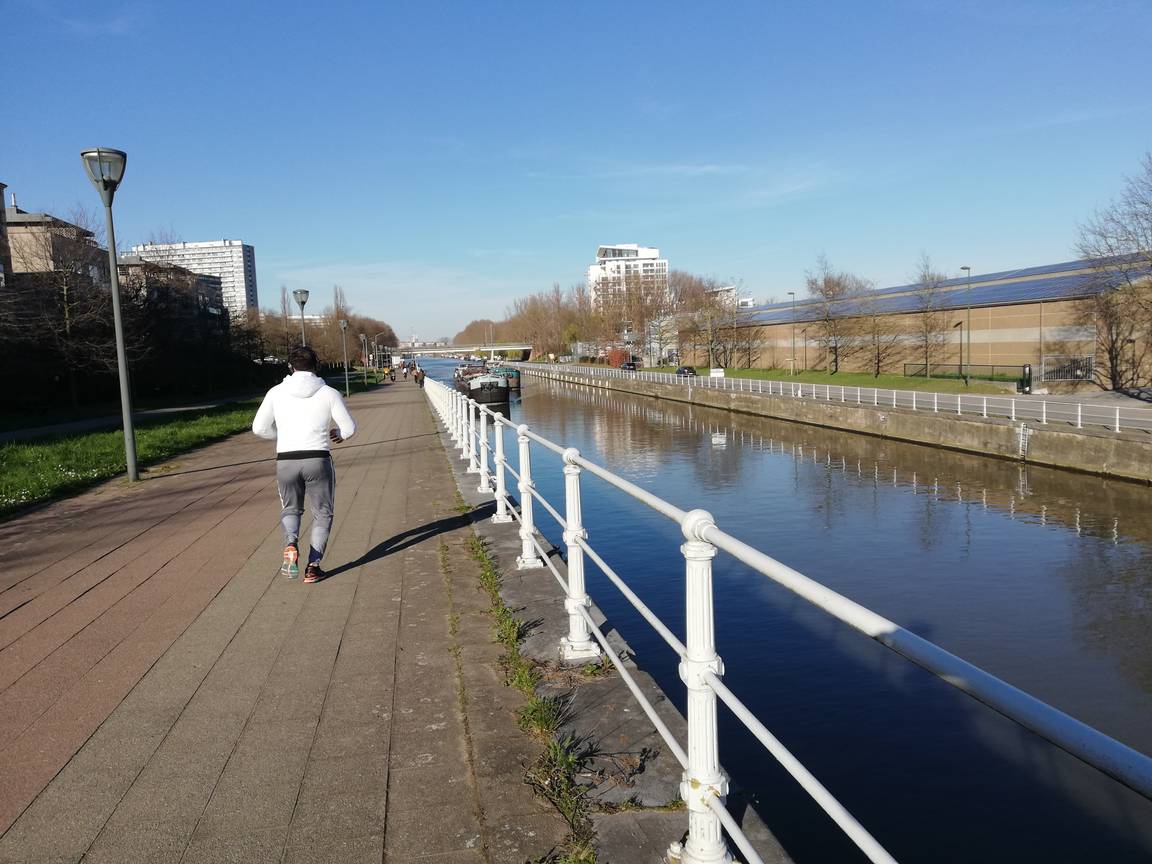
[[167, 696]]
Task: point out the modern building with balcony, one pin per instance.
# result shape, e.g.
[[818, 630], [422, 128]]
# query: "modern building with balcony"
[[626, 267]]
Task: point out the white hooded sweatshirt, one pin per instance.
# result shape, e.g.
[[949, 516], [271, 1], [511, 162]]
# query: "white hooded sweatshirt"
[[299, 411]]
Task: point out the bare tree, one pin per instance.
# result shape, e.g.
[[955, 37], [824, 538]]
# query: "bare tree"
[[1119, 240], [837, 324], [880, 334], [930, 333]]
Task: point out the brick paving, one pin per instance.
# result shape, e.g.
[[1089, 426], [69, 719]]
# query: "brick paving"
[[167, 696]]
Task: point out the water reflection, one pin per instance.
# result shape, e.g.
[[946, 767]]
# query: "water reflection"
[[1040, 576]]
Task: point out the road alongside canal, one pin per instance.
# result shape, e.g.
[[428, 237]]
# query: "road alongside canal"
[[1042, 577]]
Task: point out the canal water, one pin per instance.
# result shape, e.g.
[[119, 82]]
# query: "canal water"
[[1042, 577]]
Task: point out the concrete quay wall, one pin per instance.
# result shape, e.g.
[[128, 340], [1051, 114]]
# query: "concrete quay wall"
[[1119, 456]]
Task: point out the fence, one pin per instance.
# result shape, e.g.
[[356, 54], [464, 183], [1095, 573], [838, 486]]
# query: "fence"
[[958, 371], [1075, 415], [478, 433]]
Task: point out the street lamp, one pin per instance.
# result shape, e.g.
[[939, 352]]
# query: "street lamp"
[[375, 350], [968, 303], [804, 332], [792, 294], [344, 339], [301, 295], [105, 169], [364, 353]]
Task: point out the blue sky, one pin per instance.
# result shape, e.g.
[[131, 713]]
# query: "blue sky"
[[438, 160]]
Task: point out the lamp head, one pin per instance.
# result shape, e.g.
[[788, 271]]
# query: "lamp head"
[[105, 167], [968, 269], [301, 295], [343, 325]]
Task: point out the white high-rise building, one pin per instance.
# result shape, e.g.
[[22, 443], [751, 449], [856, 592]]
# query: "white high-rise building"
[[623, 266], [232, 260]]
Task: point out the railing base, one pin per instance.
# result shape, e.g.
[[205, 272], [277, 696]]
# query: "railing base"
[[485, 488], [497, 519], [578, 650], [532, 563]]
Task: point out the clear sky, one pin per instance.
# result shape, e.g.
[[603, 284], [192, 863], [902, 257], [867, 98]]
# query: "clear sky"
[[438, 160]]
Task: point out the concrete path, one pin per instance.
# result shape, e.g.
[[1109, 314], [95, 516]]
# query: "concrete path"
[[167, 696]]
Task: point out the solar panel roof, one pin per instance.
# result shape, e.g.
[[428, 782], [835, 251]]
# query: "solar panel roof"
[[954, 294]]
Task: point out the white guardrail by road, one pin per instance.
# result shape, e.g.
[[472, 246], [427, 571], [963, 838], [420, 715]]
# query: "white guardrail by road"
[[1077, 415], [478, 433]]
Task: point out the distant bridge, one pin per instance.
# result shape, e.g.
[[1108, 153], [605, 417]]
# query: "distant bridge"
[[490, 350]]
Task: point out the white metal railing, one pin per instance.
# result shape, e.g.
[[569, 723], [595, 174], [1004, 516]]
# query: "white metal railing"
[[704, 784], [1075, 415]]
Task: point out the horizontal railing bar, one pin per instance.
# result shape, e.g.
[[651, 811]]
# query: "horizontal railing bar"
[[1093, 747], [642, 495], [627, 678], [549, 563], [820, 794], [734, 830], [560, 520], [647, 613]]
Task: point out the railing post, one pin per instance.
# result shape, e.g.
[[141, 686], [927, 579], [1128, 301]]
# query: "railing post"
[[702, 778], [1079, 415], [1116, 428], [501, 514], [936, 402], [875, 397], [913, 400], [461, 426], [485, 482], [1013, 416], [528, 559], [473, 465], [578, 644], [985, 407], [959, 413], [1044, 411]]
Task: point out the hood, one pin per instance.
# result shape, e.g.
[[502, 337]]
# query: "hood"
[[303, 384]]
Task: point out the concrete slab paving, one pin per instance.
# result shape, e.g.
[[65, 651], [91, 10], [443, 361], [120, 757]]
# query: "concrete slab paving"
[[166, 696]]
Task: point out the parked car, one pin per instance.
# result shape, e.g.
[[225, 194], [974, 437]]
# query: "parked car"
[[686, 371], [628, 367]]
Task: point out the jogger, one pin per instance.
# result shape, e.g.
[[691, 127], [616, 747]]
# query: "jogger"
[[299, 413]]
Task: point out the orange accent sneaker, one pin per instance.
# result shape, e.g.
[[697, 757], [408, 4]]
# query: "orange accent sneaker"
[[313, 573], [291, 565]]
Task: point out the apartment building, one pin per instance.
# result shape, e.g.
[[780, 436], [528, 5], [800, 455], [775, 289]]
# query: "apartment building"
[[624, 267], [232, 260]]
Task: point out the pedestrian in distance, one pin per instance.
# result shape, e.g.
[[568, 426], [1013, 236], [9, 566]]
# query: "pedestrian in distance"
[[299, 414], [405, 371], [419, 376]]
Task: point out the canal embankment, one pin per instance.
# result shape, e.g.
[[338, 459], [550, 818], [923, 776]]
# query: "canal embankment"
[[1124, 456], [628, 778]]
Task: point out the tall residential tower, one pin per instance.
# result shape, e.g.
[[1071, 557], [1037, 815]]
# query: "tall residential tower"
[[232, 260]]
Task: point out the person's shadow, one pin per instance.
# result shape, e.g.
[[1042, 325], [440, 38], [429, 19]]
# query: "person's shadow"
[[411, 537]]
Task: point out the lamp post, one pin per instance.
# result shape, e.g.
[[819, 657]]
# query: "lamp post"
[[968, 304], [105, 169], [364, 353], [301, 295], [792, 294], [344, 339], [804, 333], [375, 350]]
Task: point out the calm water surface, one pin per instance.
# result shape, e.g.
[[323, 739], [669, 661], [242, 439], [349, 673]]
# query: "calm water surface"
[[1042, 577]]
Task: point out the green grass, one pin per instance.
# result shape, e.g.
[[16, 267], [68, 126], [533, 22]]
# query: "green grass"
[[856, 379], [49, 468]]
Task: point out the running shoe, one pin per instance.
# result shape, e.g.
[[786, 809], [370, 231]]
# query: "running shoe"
[[291, 565], [313, 573]]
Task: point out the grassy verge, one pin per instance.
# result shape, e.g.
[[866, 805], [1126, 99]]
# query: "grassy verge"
[[858, 379], [48, 468], [554, 776]]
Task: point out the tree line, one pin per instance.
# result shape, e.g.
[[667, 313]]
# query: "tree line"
[[57, 335], [841, 311]]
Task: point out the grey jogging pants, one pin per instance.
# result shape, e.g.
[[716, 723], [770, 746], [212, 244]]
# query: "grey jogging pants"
[[314, 479]]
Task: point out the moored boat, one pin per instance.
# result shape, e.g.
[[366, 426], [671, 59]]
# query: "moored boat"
[[488, 389]]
